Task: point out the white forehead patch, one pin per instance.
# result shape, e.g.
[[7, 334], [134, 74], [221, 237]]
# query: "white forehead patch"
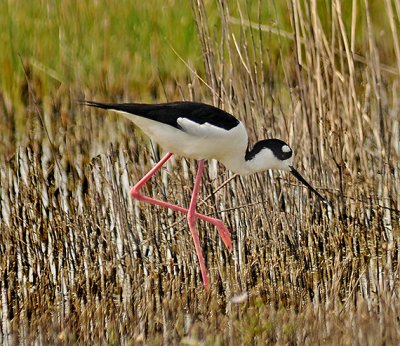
[[286, 149]]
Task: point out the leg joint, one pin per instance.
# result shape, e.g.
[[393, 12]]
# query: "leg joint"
[[135, 192]]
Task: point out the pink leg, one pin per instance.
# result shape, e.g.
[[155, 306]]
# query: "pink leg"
[[191, 217], [135, 193]]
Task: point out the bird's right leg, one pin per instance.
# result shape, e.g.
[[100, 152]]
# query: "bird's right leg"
[[135, 193]]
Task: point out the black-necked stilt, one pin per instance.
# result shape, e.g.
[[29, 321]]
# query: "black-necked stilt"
[[200, 131]]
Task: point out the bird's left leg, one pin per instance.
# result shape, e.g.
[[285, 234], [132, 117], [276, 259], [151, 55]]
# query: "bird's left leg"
[[191, 217]]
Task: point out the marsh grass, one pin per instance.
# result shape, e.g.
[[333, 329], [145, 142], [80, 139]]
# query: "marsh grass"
[[81, 262]]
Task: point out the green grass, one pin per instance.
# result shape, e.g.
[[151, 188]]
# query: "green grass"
[[96, 43]]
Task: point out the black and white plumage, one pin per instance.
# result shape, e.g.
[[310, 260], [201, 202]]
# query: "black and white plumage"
[[201, 131]]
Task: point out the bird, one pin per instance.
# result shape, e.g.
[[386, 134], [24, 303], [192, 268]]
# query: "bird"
[[202, 132]]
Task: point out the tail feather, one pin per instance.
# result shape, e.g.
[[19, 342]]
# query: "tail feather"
[[141, 109], [96, 104]]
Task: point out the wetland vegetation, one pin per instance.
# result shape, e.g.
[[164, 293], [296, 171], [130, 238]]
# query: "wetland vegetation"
[[81, 262]]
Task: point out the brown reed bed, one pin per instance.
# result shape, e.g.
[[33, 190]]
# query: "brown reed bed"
[[81, 262]]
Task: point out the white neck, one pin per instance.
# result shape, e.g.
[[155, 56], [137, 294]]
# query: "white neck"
[[260, 162]]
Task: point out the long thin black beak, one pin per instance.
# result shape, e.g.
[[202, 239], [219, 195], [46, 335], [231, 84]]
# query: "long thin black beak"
[[299, 177]]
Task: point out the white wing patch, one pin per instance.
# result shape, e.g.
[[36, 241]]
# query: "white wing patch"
[[200, 130]]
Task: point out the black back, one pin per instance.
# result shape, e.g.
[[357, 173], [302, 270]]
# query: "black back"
[[168, 113]]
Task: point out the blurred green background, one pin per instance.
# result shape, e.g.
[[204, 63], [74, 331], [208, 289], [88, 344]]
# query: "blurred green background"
[[136, 45]]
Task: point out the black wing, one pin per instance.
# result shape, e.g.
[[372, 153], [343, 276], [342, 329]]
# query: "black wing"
[[168, 113]]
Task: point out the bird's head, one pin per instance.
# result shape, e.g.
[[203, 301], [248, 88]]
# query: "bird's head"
[[271, 154], [276, 154]]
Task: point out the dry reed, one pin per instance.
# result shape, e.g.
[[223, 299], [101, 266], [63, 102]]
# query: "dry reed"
[[81, 262]]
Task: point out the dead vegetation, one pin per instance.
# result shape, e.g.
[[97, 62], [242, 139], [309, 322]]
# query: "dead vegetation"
[[81, 262]]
